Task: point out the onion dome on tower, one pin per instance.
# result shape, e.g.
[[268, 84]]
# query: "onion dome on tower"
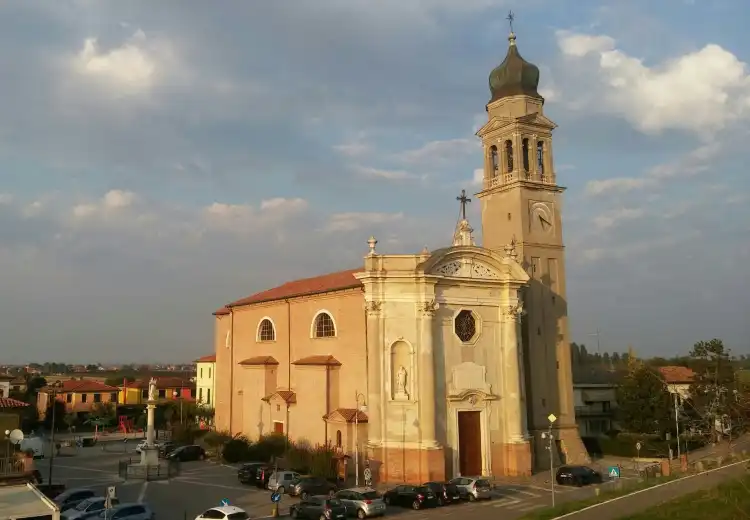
[[514, 76]]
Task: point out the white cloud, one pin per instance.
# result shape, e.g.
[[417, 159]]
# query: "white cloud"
[[389, 175], [247, 219], [354, 221], [617, 184], [112, 202], [478, 177], [612, 218], [440, 152], [701, 91], [626, 250]]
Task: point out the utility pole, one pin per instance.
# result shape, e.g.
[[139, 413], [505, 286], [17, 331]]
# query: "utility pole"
[[677, 424], [598, 345], [357, 395]]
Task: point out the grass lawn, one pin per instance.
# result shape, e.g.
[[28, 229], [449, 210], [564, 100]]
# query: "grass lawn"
[[610, 493], [728, 501]]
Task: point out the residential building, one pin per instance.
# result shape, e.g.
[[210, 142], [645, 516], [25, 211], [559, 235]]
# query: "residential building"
[[595, 405], [10, 414], [79, 395], [5, 386], [435, 356], [678, 379], [18, 384], [167, 388], [205, 370]]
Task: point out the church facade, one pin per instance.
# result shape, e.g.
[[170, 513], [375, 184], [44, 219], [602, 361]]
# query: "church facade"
[[436, 364]]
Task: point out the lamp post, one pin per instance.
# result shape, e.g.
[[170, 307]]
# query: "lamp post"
[[550, 443], [178, 395], [677, 424], [7, 446], [52, 390], [357, 395]]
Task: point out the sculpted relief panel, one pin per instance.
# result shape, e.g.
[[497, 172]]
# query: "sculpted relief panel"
[[467, 269], [469, 376]]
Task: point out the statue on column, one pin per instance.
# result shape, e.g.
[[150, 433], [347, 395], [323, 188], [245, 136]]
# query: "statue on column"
[[152, 389]]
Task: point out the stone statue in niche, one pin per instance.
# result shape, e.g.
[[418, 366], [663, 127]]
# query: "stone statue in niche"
[[401, 393]]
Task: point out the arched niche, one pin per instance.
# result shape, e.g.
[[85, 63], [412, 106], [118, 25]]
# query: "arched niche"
[[401, 371]]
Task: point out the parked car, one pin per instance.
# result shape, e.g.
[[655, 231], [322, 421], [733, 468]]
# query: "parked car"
[[87, 508], [472, 489], [263, 476], [248, 473], [445, 492], [281, 480], [318, 507], [362, 502], [72, 497], [416, 497], [305, 486], [128, 512], [577, 476], [187, 453], [225, 513], [167, 447]]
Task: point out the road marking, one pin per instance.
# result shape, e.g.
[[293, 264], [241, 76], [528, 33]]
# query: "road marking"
[[530, 507], [142, 494], [505, 502], [198, 483], [649, 489], [527, 493], [517, 506], [79, 468]]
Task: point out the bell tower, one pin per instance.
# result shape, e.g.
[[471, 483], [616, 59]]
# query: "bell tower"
[[521, 202]]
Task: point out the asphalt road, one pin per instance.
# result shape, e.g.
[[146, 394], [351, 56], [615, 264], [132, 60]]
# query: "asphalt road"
[[205, 484]]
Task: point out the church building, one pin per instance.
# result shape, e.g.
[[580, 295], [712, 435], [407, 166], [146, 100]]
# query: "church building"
[[436, 364]]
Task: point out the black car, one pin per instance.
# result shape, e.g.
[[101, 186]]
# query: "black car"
[[72, 497], [416, 497], [249, 472], [264, 474], [577, 476], [187, 453], [308, 486], [165, 448], [318, 507], [445, 492]]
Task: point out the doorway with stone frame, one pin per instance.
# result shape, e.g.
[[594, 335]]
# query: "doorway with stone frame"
[[470, 442]]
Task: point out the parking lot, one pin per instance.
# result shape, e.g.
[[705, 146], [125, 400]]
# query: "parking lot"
[[201, 485]]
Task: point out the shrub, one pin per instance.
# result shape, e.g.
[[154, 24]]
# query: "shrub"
[[236, 450], [268, 447]]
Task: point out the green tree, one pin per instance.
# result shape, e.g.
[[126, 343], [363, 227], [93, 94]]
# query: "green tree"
[[117, 379], [644, 404], [59, 414], [713, 394]]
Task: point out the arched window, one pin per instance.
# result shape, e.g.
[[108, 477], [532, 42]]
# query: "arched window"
[[509, 155], [525, 154], [494, 160], [266, 332], [324, 327], [338, 438], [540, 157]]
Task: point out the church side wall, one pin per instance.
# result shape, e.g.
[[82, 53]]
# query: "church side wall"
[[293, 341]]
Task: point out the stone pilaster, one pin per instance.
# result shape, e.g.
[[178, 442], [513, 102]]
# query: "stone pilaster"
[[375, 385], [514, 406], [427, 376]]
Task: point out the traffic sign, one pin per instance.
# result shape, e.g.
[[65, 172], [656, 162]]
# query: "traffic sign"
[[111, 495], [638, 446], [224, 502], [275, 497], [614, 472]]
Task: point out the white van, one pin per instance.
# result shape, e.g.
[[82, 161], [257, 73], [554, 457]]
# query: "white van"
[[35, 444]]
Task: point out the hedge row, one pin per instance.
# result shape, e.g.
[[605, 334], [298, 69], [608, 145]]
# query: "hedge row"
[[625, 446]]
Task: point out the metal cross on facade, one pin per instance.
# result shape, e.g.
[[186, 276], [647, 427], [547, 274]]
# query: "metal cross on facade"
[[463, 199], [510, 19]]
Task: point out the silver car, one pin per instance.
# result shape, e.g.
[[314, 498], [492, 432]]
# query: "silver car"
[[362, 502], [473, 488], [280, 481], [87, 508]]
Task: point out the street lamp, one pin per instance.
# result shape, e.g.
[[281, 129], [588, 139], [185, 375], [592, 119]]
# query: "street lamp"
[[550, 443], [176, 396], [7, 446], [357, 395], [52, 390]]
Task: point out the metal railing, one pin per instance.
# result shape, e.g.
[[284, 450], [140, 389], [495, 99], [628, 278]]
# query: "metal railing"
[[11, 466]]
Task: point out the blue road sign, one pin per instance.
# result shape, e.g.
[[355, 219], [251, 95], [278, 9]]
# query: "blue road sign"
[[224, 502], [613, 471], [275, 497]]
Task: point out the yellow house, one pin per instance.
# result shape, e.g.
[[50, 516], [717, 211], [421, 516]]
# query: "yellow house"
[[167, 388], [205, 371]]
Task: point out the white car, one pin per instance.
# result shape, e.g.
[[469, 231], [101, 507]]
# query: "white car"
[[225, 512]]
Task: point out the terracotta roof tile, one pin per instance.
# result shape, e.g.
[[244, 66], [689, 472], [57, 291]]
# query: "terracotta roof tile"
[[221, 312], [211, 358], [259, 360], [348, 414], [318, 361], [337, 281], [287, 396], [7, 402], [73, 386], [675, 374]]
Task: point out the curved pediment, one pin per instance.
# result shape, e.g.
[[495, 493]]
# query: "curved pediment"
[[474, 262]]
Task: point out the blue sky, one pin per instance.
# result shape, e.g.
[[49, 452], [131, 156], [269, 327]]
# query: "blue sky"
[[161, 159]]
